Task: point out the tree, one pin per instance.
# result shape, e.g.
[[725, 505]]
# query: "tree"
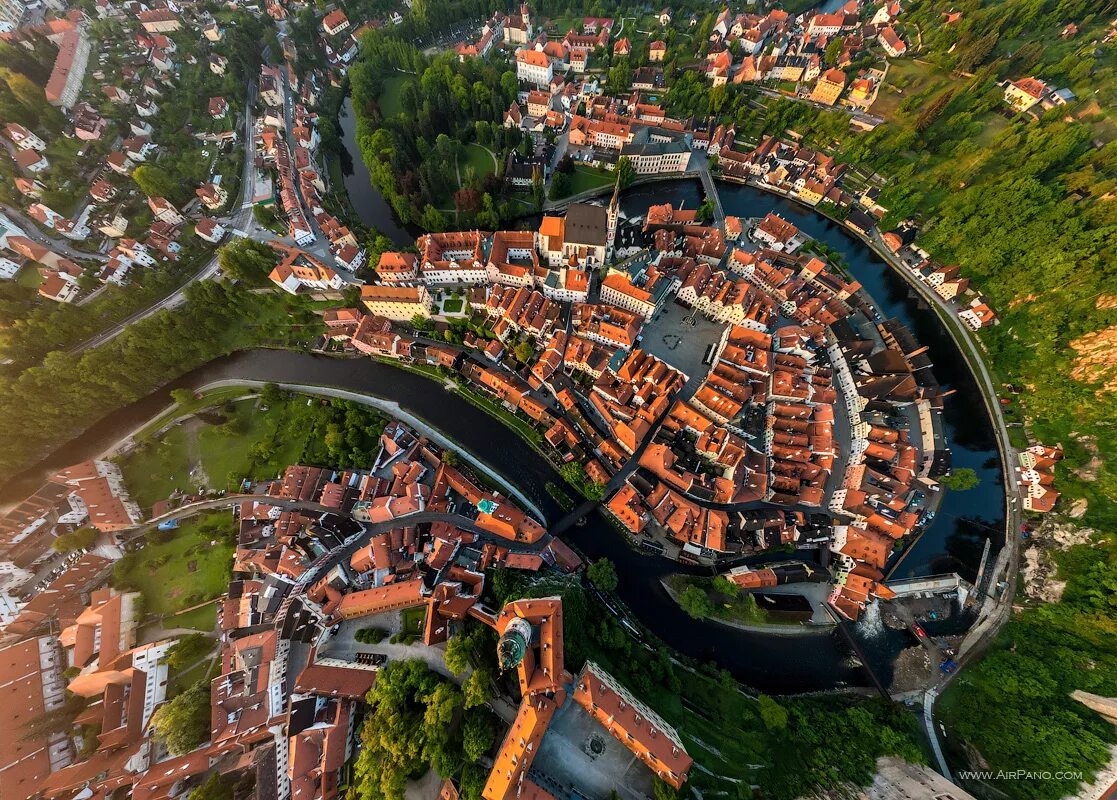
[[271, 395], [560, 185], [523, 352], [834, 50], [662, 790], [603, 575], [772, 713], [408, 728], [695, 602], [183, 722], [626, 173], [722, 585], [182, 396], [154, 181], [218, 787], [432, 219], [960, 479], [247, 260], [932, 111], [81, 539], [264, 216], [460, 650], [188, 650], [477, 688], [478, 733]]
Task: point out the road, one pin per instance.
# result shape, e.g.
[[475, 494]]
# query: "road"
[[240, 219], [35, 234]]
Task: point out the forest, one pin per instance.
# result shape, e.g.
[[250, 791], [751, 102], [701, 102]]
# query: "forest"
[[415, 156], [46, 405]]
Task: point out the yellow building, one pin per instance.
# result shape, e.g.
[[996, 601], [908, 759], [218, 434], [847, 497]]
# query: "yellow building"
[[829, 87], [399, 303]]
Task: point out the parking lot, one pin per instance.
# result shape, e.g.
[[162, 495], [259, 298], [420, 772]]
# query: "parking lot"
[[680, 338]]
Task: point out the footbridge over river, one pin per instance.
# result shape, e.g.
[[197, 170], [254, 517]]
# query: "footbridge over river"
[[713, 196]]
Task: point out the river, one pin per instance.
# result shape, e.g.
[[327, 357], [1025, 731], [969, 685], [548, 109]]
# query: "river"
[[955, 539], [953, 542], [770, 663], [369, 204]]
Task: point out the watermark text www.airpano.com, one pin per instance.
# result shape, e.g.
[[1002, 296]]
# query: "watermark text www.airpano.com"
[[1019, 775]]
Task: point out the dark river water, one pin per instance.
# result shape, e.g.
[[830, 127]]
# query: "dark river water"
[[370, 205], [953, 542]]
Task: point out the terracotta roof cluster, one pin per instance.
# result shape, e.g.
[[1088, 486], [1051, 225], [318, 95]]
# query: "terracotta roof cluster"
[[1036, 476]]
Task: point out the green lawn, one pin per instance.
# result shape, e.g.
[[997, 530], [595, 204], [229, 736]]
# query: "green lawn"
[[181, 568], [225, 454], [156, 469], [480, 159], [226, 442], [390, 104], [586, 178], [202, 619], [29, 276], [452, 305]]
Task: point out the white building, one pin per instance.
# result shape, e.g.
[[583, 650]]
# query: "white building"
[[23, 138], [534, 67]]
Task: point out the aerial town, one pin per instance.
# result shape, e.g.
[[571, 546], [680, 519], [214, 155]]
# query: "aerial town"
[[437, 399]]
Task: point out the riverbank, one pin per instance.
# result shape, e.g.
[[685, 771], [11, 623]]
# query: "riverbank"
[[397, 412]]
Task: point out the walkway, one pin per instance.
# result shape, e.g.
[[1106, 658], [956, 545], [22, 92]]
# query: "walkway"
[[932, 735]]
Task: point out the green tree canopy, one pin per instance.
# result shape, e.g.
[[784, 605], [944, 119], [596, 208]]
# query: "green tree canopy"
[[696, 603], [154, 181], [603, 575], [183, 722], [960, 479], [80, 539], [247, 260]]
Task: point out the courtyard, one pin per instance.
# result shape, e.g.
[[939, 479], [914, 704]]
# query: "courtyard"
[[681, 337], [579, 754]]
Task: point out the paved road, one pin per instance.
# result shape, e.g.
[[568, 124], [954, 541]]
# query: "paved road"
[[35, 233], [929, 698], [240, 219]]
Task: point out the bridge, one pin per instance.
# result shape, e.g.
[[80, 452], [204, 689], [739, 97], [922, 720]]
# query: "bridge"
[[713, 196]]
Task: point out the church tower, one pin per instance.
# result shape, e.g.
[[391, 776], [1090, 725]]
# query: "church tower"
[[614, 215]]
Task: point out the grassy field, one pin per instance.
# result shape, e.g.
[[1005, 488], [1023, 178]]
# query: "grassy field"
[[226, 454], [179, 569], [480, 159], [212, 449], [152, 472], [29, 276], [585, 178], [453, 305], [390, 104]]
